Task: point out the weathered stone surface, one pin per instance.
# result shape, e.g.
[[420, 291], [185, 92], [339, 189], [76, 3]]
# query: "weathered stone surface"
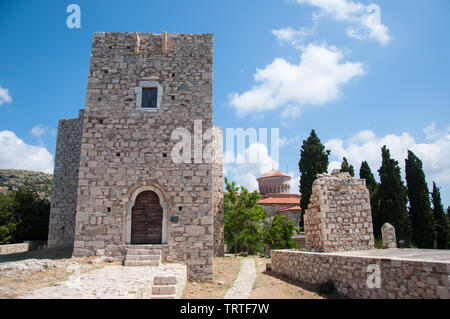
[[119, 149], [400, 278], [65, 182], [388, 235], [338, 217]]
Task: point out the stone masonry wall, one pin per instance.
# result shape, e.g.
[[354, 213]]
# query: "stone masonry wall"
[[219, 241], [23, 247], [399, 278], [65, 182], [125, 148], [338, 217]]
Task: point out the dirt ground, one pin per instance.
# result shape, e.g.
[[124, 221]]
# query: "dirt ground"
[[226, 270], [23, 283], [270, 286], [266, 286]]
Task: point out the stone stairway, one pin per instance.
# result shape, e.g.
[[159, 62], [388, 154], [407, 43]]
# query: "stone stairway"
[[142, 255], [164, 287], [167, 280]]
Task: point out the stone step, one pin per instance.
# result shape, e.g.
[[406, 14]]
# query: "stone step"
[[143, 257], [163, 281], [144, 252], [158, 247], [163, 290], [141, 263], [163, 297]]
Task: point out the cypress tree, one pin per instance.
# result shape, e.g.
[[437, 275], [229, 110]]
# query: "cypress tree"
[[345, 167], [366, 173], [448, 227], [442, 229], [393, 197], [313, 161], [422, 223]]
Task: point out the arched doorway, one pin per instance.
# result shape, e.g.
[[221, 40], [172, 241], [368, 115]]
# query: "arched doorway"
[[147, 219]]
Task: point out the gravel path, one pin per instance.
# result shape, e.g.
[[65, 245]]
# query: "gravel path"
[[243, 284], [109, 282]]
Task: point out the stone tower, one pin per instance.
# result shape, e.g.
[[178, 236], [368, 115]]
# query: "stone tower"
[[339, 216], [146, 94]]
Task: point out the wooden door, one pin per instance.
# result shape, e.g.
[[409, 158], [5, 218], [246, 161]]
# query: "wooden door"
[[146, 219]]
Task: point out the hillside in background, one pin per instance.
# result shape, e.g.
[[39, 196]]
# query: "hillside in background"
[[13, 179]]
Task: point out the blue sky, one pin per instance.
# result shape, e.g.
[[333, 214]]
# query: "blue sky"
[[329, 65]]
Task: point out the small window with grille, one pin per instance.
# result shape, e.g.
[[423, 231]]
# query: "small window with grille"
[[149, 97]]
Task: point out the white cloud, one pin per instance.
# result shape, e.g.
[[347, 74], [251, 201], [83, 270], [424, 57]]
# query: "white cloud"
[[4, 96], [16, 154], [294, 183], [245, 172], [366, 146], [292, 36], [365, 21], [316, 80], [39, 131], [285, 141]]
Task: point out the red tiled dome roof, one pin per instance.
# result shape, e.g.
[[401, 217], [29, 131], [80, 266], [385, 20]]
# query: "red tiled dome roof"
[[280, 199], [273, 173]]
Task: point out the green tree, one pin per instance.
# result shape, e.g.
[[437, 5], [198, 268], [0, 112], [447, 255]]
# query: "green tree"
[[313, 161], [32, 215], [366, 173], [345, 167], [278, 232], [393, 197], [422, 222], [241, 214], [441, 221], [7, 222], [448, 227]]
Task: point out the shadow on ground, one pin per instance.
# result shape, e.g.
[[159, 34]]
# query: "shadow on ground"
[[46, 253], [305, 286]]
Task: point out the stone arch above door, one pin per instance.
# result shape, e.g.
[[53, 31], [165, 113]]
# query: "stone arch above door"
[[131, 204]]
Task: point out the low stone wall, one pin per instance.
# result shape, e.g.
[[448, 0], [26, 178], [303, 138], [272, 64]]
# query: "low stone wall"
[[20, 248], [351, 274]]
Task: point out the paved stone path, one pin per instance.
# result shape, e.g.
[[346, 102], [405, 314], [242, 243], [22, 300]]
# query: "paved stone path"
[[109, 282], [243, 284]]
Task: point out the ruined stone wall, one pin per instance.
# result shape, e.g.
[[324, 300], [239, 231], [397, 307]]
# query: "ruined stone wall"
[[339, 217], [219, 240], [65, 182], [350, 274], [125, 149]]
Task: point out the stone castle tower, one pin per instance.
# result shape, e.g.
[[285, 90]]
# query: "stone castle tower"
[[117, 179]]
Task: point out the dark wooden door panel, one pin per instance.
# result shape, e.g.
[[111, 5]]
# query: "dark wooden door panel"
[[146, 219]]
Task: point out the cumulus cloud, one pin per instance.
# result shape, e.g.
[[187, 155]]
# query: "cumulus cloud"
[[4, 96], [366, 146], [285, 141], [365, 21], [16, 154], [244, 171], [293, 36], [294, 183], [316, 80], [39, 131]]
